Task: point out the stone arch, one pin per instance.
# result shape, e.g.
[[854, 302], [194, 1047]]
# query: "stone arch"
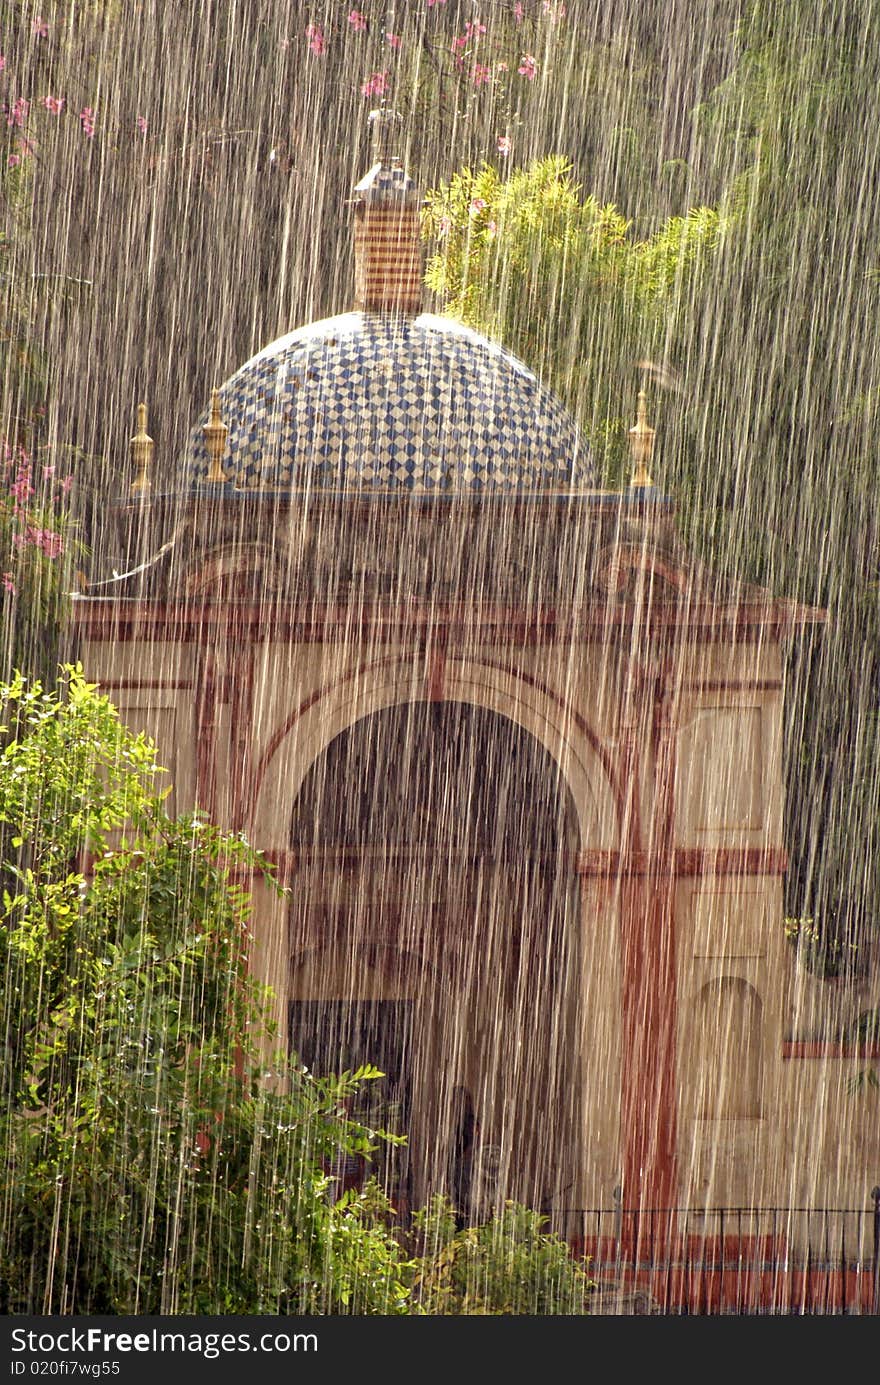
[[498, 917], [339, 705]]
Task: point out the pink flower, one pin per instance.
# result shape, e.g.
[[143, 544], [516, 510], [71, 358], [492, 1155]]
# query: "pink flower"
[[480, 74], [66, 485], [357, 20], [2, 62], [8, 583], [21, 488], [40, 27], [17, 113], [315, 36], [474, 30], [491, 230], [51, 543], [375, 85], [46, 540], [87, 120], [518, 12], [141, 123], [528, 67], [477, 205], [432, 3], [53, 104], [459, 44], [13, 161], [393, 39], [503, 144]]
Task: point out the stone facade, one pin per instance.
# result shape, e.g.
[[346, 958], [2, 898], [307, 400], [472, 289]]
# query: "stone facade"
[[517, 759]]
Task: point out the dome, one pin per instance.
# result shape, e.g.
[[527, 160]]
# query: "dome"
[[378, 404]]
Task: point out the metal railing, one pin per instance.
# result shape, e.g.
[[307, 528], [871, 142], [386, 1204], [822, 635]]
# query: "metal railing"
[[731, 1260]]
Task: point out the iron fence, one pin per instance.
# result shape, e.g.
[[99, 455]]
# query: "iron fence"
[[731, 1260]]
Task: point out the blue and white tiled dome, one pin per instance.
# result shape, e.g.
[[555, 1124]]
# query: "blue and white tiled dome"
[[380, 404]]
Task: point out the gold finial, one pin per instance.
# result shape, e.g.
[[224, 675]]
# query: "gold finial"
[[641, 444], [141, 452], [215, 439]]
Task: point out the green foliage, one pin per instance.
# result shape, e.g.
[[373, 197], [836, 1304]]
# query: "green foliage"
[[758, 302], [510, 1265], [561, 280], [821, 950], [155, 1165]]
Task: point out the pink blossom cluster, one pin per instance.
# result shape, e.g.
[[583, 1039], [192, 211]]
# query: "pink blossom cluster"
[[357, 20], [375, 85], [47, 540], [315, 36], [21, 491], [87, 120], [17, 113]]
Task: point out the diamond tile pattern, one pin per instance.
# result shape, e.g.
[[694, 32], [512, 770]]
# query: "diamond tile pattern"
[[373, 403]]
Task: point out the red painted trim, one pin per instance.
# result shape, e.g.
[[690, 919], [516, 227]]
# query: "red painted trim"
[[724, 860], [128, 618], [209, 691], [288, 864], [711, 685], [798, 1049], [683, 862], [241, 729], [648, 972], [436, 676]]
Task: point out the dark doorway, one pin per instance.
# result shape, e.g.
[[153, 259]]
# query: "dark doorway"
[[336, 1036], [437, 911]]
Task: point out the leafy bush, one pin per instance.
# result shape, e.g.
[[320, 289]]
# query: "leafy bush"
[[154, 1166], [510, 1265], [605, 298]]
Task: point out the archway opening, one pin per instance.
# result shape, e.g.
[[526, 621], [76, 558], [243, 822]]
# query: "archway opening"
[[435, 932]]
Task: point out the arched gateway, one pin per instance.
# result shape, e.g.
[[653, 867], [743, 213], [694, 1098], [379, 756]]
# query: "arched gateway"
[[435, 931], [517, 756]]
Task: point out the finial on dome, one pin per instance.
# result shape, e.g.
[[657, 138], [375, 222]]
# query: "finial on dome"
[[215, 431], [141, 452], [387, 232], [641, 444]]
